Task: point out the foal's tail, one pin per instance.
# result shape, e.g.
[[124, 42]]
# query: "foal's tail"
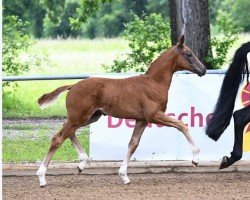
[[225, 103], [47, 99]]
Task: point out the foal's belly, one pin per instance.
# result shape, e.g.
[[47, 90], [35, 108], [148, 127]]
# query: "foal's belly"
[[124, 109]]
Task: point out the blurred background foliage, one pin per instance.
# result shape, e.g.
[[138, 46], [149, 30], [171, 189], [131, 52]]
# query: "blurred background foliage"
[[51, 18], [143, 23], [81, 36]]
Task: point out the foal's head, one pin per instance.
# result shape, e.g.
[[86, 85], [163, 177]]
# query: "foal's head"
[[186, 60]]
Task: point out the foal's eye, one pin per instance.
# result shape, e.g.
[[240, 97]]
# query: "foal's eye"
[[189, 54]]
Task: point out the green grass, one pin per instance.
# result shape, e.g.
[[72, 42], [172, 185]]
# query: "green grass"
[[33, 149], [67, 57], [77, 56], [24, 127], [23, 102]]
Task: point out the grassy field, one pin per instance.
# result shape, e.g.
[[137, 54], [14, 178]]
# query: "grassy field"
[[60, 57], [32, 150], [23, 102], [67, 57], [77, 56], [27, 142]]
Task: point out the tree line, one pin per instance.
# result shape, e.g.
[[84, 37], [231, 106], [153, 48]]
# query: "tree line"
[[149, 26], [51, 18]]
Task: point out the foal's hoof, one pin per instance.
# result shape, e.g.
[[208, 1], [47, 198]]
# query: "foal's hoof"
[[79, 170], [224, 162], [125, 179], [42, 180], [42, 186], [194, 163], [127, 182]]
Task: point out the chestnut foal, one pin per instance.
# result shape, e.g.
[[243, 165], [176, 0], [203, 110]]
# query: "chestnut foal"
[[143, 98]]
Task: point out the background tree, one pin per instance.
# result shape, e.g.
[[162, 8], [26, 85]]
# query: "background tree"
[[213, 6], [107, 18], [15, 41], [191, 18], [238, 9], [241, 14], [160, 7], [27, 11], [108, 21], [147, 38], [61, 27], [228, 34]]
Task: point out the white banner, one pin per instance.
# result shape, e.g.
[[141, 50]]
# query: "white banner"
[[191, 99]]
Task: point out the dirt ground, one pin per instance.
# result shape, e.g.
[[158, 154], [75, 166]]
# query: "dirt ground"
[[144, 186]]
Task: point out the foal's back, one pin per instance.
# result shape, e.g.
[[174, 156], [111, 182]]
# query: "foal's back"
[[122, 98]]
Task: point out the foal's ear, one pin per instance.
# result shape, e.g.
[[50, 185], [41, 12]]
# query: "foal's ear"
[[181, 41]]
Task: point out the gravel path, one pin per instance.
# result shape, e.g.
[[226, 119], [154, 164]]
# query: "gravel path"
[[52, 124], [28, 128], [174, 186], [184, 186]]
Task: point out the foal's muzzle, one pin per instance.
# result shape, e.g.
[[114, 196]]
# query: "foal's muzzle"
[[200, 70]]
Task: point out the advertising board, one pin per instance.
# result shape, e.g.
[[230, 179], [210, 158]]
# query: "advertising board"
[[191, 99]]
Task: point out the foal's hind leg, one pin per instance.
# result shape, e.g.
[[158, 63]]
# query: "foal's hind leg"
[[161, 118], [57, 140], [82, 156], [241, 119], [134, 142]]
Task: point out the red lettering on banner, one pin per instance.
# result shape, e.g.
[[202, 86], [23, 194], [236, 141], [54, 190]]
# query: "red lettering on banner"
[[111, 125], [192, 119], [130, 123], [208, 117], [149, 125], [193, 115], [171, 114], [159, 125], [182, 115]]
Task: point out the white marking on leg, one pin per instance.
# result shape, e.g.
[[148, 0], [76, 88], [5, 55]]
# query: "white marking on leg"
[[134, 142], [194, 148], [82, 156], [123, 171], [83, 160], [161, 118], [195, 151], [41, 174]]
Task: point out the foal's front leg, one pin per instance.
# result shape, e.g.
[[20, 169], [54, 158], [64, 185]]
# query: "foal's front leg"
[[161, 118], [133, 144]]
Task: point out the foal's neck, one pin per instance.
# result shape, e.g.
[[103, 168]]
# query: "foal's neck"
[[162, 69]]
